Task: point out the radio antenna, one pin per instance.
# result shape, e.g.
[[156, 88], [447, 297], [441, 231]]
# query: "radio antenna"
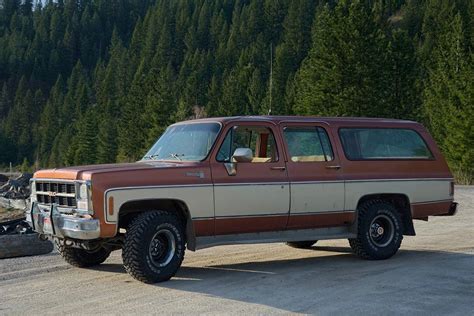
[[271, 78]]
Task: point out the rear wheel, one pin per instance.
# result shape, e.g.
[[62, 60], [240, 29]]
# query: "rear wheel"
[[306, 244], [154, 246], [82, 258], [380, 231]]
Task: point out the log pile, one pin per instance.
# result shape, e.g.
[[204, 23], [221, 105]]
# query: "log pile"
[[17, 239], [18, 188], [15, 192]]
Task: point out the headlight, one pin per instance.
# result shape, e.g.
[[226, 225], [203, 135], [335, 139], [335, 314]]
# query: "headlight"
[[84, 197], [82, 194], [33, 191]]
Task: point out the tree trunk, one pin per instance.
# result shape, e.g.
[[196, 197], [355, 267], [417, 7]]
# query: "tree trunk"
[[20, 245]]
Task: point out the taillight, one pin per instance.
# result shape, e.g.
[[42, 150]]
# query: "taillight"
[[451, 188]]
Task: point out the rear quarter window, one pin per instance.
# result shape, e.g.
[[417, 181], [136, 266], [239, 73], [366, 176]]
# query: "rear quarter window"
[[383, 143]]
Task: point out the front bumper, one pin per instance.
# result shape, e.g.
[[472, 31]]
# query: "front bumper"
[[52, 222]]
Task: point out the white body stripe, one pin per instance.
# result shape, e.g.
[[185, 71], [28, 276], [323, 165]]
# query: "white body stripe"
[[422, 190], [251, 199], [198, 198]]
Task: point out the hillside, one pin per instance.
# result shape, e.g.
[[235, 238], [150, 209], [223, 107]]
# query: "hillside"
[[97, 81]]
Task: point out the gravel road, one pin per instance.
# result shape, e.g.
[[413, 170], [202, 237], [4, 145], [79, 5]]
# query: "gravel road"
[[433, 273]]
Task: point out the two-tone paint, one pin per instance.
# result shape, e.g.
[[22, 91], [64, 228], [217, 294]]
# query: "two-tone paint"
[[275, 197]]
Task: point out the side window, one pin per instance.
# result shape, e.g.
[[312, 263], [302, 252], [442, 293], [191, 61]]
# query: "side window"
[[308, 144], [383, 143], [259, 139]]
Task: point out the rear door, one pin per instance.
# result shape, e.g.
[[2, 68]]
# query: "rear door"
[[257, 196], [315, 175]]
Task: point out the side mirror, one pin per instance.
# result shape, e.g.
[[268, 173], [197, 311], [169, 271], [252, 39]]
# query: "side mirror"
[[242, 155]]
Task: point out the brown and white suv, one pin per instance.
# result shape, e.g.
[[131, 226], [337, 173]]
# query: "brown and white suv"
[[247, 180]]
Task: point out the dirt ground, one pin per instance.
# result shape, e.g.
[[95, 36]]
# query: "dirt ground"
[[432, 274]]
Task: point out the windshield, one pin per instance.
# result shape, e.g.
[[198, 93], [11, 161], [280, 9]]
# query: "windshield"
[[184, 142]]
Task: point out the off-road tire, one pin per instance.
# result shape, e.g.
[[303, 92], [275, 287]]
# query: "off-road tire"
[[136, 253], [306, 244], [364, 245], [82, 258]]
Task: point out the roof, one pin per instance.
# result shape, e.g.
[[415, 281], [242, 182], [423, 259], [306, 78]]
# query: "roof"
[[329, 120]]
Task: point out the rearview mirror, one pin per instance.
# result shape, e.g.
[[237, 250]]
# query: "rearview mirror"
[[242, 155]]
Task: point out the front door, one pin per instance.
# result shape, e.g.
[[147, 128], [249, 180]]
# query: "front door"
[[315, 174], [254, 194]]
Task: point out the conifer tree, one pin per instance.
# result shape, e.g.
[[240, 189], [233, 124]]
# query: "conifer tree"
[[106, 141], [448, 97], [343, 74], [85, 147], [135, 66], [4, 101]]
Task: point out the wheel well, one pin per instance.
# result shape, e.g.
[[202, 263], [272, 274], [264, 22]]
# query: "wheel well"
[[401, 203], [129, 210]]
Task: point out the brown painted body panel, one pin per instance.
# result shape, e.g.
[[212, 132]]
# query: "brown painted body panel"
[[423, 210], [321, 220]]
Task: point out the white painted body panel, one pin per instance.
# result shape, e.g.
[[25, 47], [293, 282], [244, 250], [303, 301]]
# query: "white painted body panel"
[[252, 199], [198, 198], [314, 197], [417, 190]]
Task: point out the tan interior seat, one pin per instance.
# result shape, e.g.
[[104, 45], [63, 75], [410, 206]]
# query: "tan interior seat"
[[308, 158], [261, 159]]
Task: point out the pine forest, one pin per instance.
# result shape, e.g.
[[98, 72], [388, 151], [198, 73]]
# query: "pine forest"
[[98, 81]]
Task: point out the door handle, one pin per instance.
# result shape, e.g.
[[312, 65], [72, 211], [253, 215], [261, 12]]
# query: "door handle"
[[333, 167], [278, 168]]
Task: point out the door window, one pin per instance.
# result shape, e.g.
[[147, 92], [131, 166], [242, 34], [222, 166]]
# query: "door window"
[[257, 138], [308, 144]]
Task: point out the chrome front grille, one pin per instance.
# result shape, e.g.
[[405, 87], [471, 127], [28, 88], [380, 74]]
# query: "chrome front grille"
[[63, 194]]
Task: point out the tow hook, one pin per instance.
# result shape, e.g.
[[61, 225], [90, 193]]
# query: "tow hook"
[[43, 237]]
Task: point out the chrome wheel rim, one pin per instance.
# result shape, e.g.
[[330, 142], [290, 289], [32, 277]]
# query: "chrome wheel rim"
[[162, 247], [382, 230]]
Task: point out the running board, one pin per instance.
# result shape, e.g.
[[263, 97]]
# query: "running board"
[[278, 236]]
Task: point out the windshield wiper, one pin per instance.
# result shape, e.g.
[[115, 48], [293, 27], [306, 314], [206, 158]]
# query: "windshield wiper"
[[176, 156], [150, 157]]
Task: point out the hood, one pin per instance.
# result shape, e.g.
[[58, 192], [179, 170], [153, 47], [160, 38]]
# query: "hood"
[[86, 172]]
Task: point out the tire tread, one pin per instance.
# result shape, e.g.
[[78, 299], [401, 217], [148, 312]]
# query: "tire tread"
[[357, 244], [131, 253]]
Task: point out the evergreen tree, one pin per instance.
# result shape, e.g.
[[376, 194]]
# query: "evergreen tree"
[[343, 74], [449, 96], [99, 81], [85, 147], [159, 104], [4, 101], [107, 141]]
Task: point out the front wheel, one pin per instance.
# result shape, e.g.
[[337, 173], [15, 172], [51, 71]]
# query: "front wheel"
[[82, 258], [380, 231], [154, 247]]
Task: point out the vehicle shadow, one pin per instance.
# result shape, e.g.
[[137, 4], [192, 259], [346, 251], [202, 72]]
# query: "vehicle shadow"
[[313, 284]]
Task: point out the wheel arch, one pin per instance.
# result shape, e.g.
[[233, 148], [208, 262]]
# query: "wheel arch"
[[130, 209], [401, 202]]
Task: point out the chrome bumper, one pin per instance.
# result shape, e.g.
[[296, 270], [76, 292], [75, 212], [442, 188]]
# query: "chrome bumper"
[[52, 222]]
